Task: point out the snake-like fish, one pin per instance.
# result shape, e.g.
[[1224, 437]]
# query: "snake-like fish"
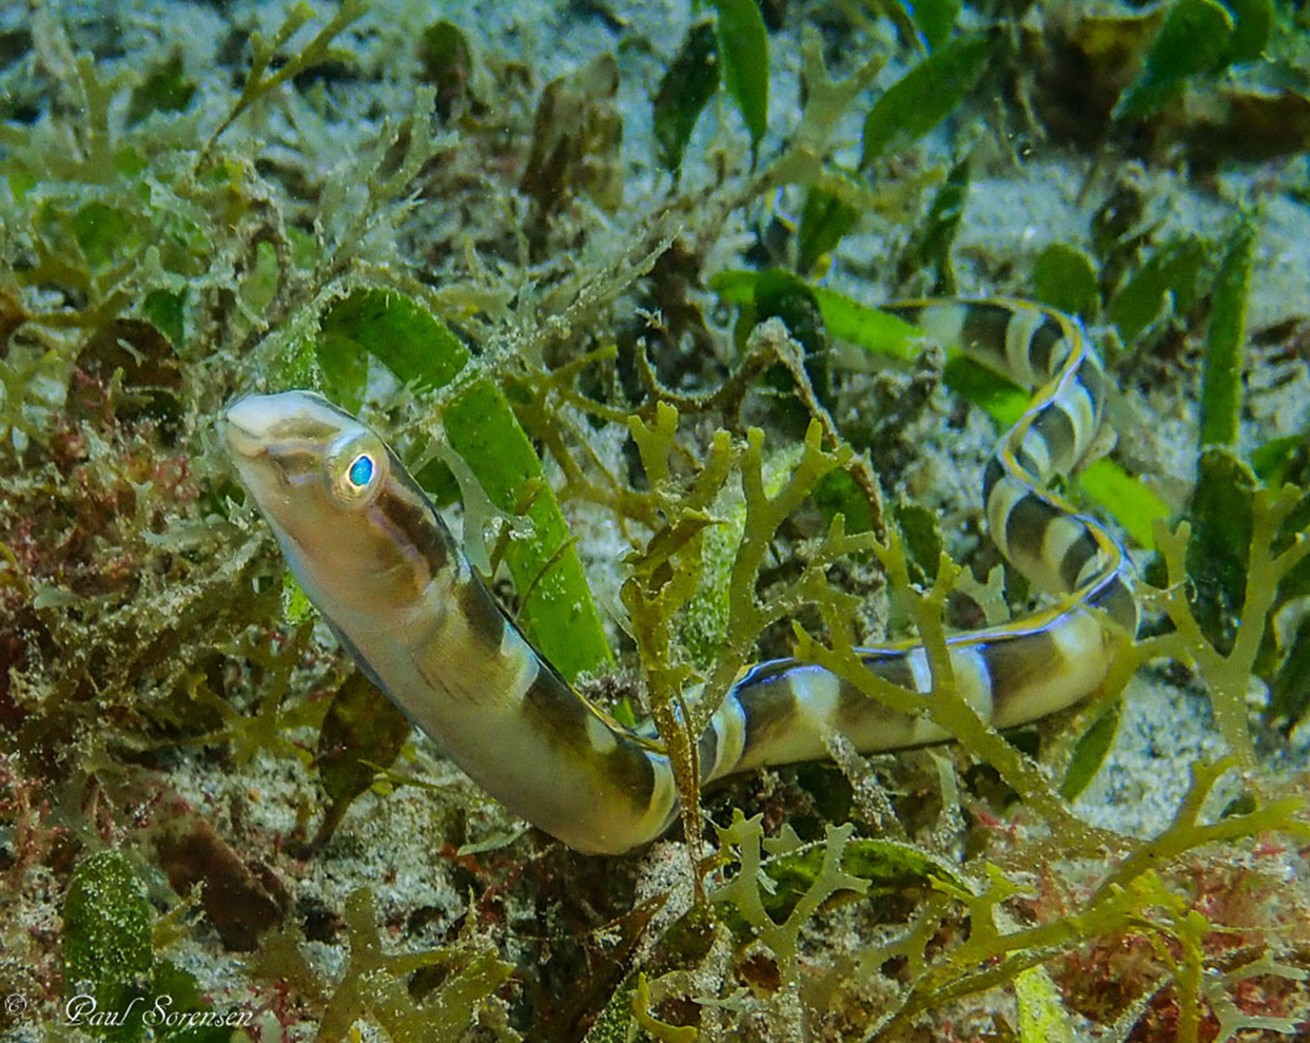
[[375, 557]]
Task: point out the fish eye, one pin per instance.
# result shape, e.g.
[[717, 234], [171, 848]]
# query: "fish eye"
[[356, 463], [361, 471]]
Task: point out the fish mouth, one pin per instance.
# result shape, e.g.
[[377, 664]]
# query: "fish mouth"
[[246, 426]]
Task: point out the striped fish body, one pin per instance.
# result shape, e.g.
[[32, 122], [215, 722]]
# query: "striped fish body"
[[385, 572], [377, 560]]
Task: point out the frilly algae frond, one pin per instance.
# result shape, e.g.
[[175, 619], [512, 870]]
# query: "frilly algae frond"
[[593, 276]]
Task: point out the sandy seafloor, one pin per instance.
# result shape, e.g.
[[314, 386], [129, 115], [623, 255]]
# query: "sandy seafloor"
[[1014, 209]]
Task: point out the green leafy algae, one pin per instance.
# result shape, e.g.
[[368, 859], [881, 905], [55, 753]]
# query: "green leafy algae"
[[1167, 280], [109, 948], [109, 922], [1064, 278], [1194, 38], [825, 218], [936, 19], [556, 611], [1221, 393], [924, 96], [744, 889], [687, 87], [744, 46], [373, 983]]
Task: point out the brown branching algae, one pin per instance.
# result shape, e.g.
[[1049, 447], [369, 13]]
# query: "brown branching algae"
[[606, 277]]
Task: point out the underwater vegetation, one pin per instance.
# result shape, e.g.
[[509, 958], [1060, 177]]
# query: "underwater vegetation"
[[589, 267]]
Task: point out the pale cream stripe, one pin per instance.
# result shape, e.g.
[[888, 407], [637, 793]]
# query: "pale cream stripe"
[[663, 797], [1018, 343], [514, 647], [972, 678], [730, 727], [944, 323], [1005, 494], [817, 693], [1077, 405], [1061, 534], [917, 658], [1037, 451], [601, 736]]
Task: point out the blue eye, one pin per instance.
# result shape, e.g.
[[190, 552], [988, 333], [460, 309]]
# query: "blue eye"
[[361, 471]]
